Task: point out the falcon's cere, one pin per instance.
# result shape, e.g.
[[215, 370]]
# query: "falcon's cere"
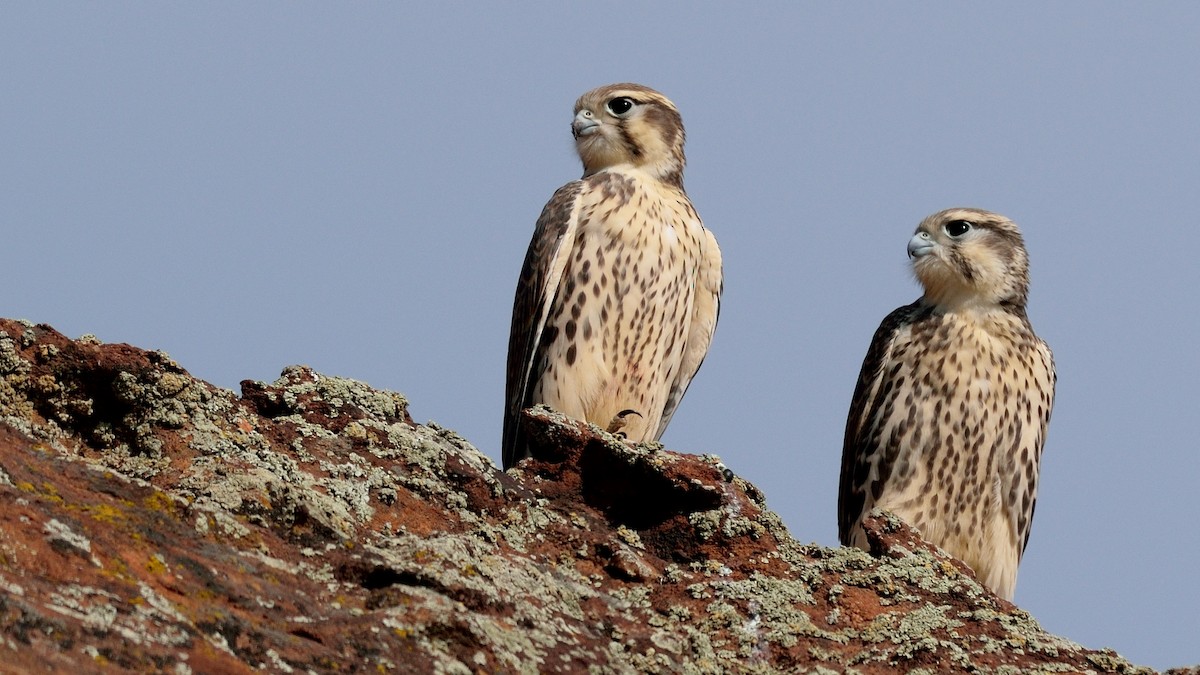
[[618, 298], [949, 416]]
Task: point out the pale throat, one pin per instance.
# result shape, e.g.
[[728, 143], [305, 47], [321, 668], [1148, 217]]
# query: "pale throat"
[[954, 297]]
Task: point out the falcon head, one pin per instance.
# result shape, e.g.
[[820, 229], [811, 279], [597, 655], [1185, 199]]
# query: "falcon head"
[[970, 257], [632, 125]]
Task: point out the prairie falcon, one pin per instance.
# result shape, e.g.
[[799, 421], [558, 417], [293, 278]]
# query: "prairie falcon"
[[949, 416], [618, 298]]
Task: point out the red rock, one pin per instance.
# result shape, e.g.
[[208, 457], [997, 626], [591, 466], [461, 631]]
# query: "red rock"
[[152, 522]]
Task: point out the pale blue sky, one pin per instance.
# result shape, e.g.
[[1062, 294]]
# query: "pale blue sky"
[[352, 187]]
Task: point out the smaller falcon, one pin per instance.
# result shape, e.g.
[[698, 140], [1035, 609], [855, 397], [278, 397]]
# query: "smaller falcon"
[[949, 416], [618, 298]]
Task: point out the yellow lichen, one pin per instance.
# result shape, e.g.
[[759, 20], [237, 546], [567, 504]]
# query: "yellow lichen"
[[105, 513], [159, 501], [155, 564], [48, 491]]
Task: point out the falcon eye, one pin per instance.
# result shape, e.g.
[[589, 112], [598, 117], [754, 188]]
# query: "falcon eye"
[[957, 228], [620, 106]]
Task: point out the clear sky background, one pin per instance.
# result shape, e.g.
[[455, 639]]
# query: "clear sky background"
[[353, 186]]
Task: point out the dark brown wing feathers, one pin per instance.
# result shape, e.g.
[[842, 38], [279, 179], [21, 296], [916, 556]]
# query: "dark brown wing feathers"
[[532, 297]]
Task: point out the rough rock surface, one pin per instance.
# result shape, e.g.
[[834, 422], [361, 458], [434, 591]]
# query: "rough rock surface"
[[151, 522]]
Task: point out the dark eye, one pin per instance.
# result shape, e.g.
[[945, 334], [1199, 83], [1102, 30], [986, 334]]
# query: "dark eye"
[[957, 228], [620, 106]]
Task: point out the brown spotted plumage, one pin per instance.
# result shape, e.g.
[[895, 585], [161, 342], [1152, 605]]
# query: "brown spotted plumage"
[[618, 298], [949, 416]]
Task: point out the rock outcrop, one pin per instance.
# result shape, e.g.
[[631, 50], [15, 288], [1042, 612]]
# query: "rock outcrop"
[[151, 522]]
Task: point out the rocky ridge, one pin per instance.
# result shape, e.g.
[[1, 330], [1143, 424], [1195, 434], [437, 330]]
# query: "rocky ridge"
[[152, 522]]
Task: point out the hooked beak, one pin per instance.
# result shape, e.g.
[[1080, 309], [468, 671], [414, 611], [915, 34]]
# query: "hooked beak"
[[920, 244], [584, 124]]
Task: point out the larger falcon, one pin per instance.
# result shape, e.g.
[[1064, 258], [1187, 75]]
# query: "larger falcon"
[[618, 298]]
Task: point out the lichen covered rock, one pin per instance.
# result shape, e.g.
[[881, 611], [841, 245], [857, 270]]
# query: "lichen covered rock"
[[154, 522]]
